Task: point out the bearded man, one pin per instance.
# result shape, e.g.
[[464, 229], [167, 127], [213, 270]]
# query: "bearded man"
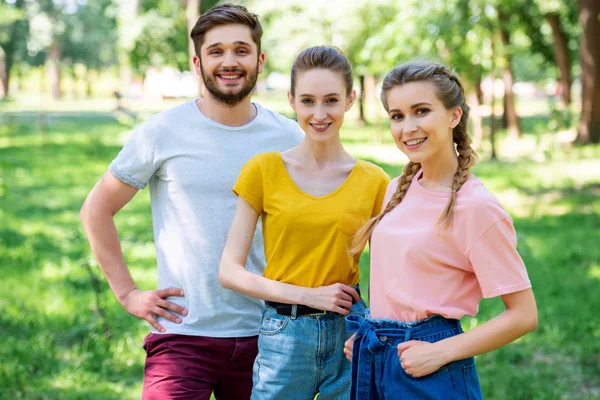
[[203, 338]]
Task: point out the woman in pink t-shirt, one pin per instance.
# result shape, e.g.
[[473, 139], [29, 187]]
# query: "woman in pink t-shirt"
[[441, 244]]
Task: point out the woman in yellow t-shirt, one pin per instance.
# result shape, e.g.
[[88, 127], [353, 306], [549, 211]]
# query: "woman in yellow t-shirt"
[[311, 200]]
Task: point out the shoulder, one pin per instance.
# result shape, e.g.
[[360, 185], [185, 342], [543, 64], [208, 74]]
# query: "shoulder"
[[264, 160], [167, 121], [373, 171], [479, 206], [273, 120]]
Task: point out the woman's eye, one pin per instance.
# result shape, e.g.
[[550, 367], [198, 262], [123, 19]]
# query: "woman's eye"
[[243, 51], [422, 111], [306, 101], [332, 100], [396, 117]]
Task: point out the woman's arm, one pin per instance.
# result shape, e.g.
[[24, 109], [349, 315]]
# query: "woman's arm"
[[520, 317], [234, 275]]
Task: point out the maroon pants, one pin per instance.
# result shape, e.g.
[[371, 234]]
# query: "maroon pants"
[[182, 367]]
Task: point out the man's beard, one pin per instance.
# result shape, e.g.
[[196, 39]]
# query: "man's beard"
[[230, 99]]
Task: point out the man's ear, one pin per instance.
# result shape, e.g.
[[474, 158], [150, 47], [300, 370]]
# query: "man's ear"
[[196, 60], [261, 63]]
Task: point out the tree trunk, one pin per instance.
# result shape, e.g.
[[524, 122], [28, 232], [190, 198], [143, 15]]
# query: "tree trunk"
[[589, 125], [361, 100], [54, 69], [561, 55], [128, 13], [89, 78], [3, 75], [514, 129], [74, 83], [493, 156], [192, 13], [477, 88]]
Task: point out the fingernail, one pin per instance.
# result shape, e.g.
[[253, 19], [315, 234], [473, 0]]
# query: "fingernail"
[[163, 330], [178, 320], [184, 312], [181, 292]]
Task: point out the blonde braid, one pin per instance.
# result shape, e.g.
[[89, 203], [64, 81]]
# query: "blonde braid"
[[364, 233], [467, 158]]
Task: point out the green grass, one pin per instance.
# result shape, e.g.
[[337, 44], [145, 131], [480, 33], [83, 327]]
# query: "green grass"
[[62, 340]]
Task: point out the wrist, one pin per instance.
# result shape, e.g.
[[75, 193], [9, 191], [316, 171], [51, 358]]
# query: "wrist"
[[122, 296], [305, 295], [447, 353]]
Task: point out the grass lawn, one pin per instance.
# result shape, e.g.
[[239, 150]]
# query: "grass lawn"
[[66, 337]]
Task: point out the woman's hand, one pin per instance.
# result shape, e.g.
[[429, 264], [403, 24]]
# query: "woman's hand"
[[348, 347], [419, 359], [337, 298]]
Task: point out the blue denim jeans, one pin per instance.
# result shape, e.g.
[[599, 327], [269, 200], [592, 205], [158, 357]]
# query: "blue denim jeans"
[[376, 369], [302, 356]]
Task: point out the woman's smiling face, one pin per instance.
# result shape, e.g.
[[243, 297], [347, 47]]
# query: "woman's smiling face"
[[320, 103], [420, 123]]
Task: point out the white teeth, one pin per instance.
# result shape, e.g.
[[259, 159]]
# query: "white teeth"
[[321, 126], [230, 76], [415, 142]]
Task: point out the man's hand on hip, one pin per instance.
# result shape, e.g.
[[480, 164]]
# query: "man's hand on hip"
[[150, 304]]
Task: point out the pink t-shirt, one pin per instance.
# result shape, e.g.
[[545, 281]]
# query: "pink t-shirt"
[[418, 271]]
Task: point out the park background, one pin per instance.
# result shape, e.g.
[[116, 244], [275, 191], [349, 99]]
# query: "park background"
[[79, 75]]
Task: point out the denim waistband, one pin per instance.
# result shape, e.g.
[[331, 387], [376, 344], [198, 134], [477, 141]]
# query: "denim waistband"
[[369, 330]]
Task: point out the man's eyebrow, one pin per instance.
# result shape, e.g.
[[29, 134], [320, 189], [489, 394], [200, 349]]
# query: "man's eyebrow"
[[237, 42]]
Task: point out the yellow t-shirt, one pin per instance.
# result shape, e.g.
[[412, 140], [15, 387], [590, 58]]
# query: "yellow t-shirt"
[[307, 237]]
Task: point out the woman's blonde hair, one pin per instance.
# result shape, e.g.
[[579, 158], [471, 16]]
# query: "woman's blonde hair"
[[450, 92]]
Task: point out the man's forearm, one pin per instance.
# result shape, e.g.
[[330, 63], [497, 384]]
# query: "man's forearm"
[[104, 241]]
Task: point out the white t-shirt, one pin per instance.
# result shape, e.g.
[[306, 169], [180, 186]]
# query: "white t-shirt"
[[191, 163]]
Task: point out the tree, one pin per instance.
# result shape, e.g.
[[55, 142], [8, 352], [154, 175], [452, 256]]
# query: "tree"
[[13, 38], [589, 125], [161, 37], [561, 54], [510, 110]]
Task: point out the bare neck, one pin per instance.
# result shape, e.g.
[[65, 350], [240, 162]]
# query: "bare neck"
[[322, 153], [237, 115], [439, 170]]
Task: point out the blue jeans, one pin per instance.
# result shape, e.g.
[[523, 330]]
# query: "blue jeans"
[[376, 369], [302, 356]]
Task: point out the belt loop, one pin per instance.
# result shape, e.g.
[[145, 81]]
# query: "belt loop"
[[294, 312], [407, 334]]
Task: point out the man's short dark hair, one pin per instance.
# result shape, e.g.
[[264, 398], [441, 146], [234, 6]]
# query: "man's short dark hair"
[[225, 14]]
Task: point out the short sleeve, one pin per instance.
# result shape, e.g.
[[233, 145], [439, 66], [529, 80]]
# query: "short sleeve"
[[384, 180], [249, 184], [138, 160], [496, 262]]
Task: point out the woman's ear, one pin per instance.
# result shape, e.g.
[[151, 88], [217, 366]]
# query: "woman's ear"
[[291, 100], [456, 116], [350, 100]]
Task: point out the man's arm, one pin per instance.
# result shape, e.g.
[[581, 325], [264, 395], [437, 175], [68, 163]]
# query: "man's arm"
[[104, 201]]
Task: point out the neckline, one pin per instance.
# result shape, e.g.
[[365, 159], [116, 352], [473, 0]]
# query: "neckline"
[[417, 184], [227, 127], [310, 196]]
